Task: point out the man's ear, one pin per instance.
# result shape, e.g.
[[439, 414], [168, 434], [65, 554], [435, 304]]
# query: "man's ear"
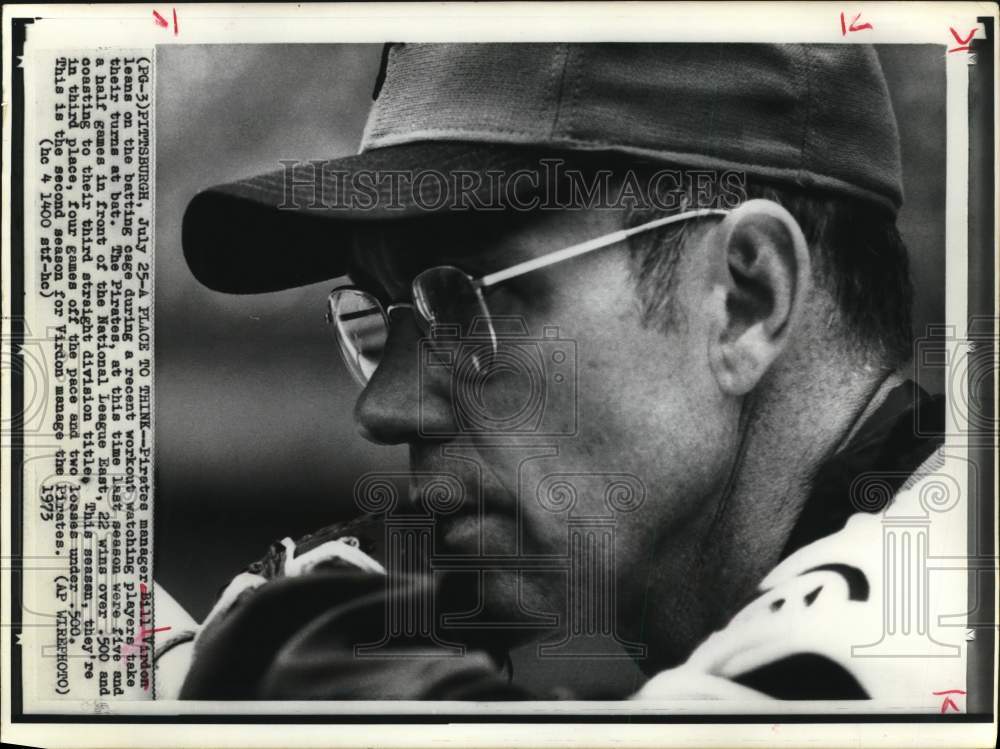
[[760, 276]]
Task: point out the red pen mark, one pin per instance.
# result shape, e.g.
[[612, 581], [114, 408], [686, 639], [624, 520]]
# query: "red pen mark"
[[948, 701], [138, 644], [844, 28], [162, 22], [963, 43]]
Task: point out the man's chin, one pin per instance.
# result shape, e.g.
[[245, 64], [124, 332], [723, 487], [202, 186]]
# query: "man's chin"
[[497, 609], [488, 605], [487, 534]]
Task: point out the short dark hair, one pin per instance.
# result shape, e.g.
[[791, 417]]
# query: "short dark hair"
[[858, 257]]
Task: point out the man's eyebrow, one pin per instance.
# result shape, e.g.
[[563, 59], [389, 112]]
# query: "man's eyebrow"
[[397, 254], [356, 275], [400, 253], [363, 260]]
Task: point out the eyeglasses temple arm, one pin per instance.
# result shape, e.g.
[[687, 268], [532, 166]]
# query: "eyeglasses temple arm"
[[589, 246]]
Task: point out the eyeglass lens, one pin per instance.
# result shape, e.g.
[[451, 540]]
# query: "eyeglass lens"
[[446, 302], [447, 297], [361, 329]]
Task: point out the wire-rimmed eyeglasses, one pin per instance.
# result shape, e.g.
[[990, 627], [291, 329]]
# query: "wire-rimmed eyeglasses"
[[448, 296]]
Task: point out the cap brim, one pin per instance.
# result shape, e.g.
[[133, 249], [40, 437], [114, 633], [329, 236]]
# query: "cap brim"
[[293, 226]]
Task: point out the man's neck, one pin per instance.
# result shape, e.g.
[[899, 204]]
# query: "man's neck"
[[790, 431], [890, 383]]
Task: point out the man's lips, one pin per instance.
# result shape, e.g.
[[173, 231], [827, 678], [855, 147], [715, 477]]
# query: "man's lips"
[[470, 520], [471, 513], [484, 515], [490, 503]]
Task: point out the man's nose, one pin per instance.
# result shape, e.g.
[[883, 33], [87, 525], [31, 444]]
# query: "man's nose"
[[397, 405]]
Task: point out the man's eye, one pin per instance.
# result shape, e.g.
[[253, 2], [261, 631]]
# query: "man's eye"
[[370, 285]]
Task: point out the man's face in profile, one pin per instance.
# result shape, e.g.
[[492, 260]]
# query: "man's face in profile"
[[639, 444]]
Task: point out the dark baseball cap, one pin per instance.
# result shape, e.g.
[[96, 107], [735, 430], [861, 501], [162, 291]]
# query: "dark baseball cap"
[[815, 116]]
